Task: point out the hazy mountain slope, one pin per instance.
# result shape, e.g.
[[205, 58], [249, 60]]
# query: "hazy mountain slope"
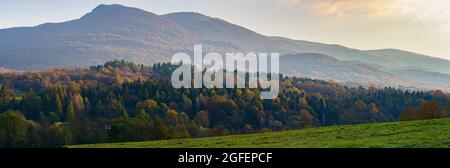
[[407, 59], [321, 66], [337, 51], [117, 32], [215, 29], [426, 76], [108, 32], [354, 73], [114, 31], [218, 30]]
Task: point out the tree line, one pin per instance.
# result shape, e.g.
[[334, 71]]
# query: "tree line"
[[122, 101]]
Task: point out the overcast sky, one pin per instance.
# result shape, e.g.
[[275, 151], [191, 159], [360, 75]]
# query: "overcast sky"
[[421, 26]]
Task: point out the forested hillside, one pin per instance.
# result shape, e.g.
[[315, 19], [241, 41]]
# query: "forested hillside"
[[122, 101]]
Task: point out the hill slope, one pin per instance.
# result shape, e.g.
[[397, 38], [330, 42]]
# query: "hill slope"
[[319, 66], [421, 75], [115, 31], [405, 59], [118, 32], [108, 32], [411, 134]]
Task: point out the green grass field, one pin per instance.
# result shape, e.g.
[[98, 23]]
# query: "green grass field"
[[412, 134]]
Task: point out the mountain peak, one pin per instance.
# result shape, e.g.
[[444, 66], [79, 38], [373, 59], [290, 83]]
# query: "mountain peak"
[[116, 10], [190, 15], [109, 6], [104, 7]]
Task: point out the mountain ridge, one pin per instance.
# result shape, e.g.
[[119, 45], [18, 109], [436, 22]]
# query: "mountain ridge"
[[321, 66], [111, 32]]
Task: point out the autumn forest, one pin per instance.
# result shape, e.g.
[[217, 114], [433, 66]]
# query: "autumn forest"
[[121, 101]]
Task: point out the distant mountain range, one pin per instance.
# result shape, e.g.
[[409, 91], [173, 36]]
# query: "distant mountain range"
[[321, 66], [118, 32]]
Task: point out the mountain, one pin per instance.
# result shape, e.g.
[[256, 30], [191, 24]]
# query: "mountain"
[[220, 31], [423, 75], [217, 30], [117, 32], [405, 59], [320, 66], [108, 32]]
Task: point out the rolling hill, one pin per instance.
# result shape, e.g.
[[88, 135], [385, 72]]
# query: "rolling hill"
[[423, 75], [404, 59], [320, 66], [111, 32], [411, 134]]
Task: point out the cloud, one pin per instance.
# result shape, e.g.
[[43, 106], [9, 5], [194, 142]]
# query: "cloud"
[[430, 11], [345, 8], [424, 11]]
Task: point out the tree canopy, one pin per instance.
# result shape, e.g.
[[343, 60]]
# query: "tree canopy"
[[122, 101]]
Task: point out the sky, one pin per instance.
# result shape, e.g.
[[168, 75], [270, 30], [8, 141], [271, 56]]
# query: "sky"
[[421, 26]]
